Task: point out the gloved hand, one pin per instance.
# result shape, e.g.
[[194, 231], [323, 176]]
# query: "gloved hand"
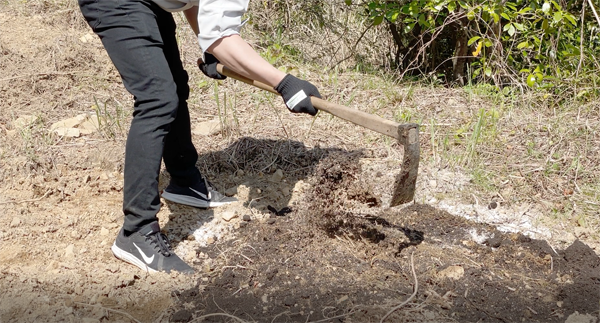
[[296, 94], [209, 67]]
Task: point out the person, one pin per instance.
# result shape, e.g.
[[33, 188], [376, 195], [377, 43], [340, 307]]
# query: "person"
[[139, 37]]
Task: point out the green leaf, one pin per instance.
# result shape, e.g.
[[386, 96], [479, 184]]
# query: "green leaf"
[[505, 16], [348, 2], [545, 24], [571, 19], [519, 26], [408, 28], [496, 17], [523, 45], [531, 80], [451, 6], [463, 5], [511, 30], [524, 10], [488, 71], [472, 40], [487, 43], [471, 15], [378, 20], [558, 16]]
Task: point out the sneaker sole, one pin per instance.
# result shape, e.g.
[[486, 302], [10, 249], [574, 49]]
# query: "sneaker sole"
[[129, 258], [186, 200]]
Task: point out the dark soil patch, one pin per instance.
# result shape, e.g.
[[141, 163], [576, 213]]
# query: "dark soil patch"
[[339, 258]]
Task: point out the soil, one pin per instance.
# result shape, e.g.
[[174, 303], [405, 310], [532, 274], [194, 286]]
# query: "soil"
[[311, 238]]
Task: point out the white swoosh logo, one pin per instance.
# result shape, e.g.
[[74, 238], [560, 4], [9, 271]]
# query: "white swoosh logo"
[[202, 195], [147, 259]]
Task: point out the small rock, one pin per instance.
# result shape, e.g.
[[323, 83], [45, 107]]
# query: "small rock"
[[86, 38], [207, 128], [452, 272], [210, 240], [15, 222], [239, 173], [433, 183], [265, 298], [493, 205], [181, 316], [277, 176], [69, 251], [68, 132], [104, 231], [342, 299], [581, 318], [246, 218], [229, 215], [289, 301], [495, 241], [231, 191]]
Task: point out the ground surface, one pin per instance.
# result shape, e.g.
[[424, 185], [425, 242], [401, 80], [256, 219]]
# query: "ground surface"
[[336, 254]]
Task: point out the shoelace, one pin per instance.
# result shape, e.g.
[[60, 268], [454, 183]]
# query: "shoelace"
[[161, 243]]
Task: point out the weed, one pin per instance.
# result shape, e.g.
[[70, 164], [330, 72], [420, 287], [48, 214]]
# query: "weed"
[[110, 122]]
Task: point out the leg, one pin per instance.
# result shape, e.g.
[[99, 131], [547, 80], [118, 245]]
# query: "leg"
[[132, 33], [180, 155]]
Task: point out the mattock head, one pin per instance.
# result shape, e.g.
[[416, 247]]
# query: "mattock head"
[[406, 181]]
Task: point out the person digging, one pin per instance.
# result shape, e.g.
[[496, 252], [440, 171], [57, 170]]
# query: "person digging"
[[139, 37]]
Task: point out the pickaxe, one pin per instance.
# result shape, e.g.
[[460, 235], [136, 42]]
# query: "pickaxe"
[[407, 135]]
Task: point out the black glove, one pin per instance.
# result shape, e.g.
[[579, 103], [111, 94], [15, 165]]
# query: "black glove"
[[296, 94], [209, 67]]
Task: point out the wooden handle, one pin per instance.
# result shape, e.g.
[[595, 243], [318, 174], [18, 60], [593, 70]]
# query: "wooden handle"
[[369, 121]]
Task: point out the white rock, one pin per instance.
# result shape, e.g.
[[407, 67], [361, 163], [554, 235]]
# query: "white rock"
[[69, 123], [86, 38], [68, 132], [69, 251], [15, 222], [104, 231], [452, 272], [207, 128]]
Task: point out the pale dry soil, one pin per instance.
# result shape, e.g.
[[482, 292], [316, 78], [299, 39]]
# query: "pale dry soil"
[[340, 255]]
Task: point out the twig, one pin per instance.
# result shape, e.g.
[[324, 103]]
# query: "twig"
[[110, 310], [41, 74], [28, 201], [594, 11], [201, 318], [412, 266], [581, 51]]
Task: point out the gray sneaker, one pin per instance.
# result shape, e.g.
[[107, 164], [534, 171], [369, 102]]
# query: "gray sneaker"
[[200, 195], [149, 249]]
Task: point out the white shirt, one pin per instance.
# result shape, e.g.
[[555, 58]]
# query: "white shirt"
[[216, 18]]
